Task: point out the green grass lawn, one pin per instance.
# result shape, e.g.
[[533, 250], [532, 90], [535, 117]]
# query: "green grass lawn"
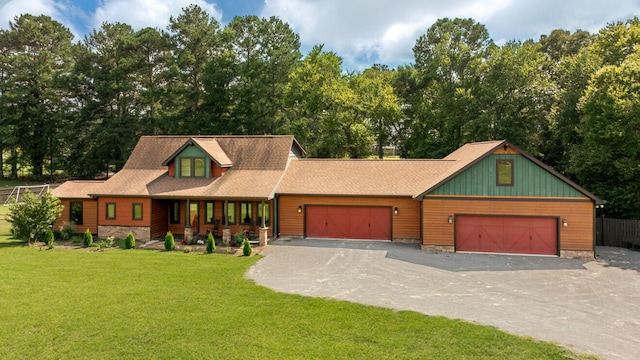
[[142, 304]]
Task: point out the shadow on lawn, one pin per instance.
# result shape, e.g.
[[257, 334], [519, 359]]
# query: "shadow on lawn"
[[10, 243]]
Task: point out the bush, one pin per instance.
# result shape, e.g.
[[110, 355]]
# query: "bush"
[[31, 219], [246, 249], [77, 239], [211, 244], [49, 238], [238, 238], [87, 238], [107, 243], [169, 242], [187, 249], [129, 241], [67, 230]]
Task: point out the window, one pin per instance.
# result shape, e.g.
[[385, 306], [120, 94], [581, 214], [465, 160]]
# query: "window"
[[174, 212], [198, 167], [75, 212], [137, 211], [209, 208], [111, 211], [245, 213], [266, 214], [192, 167], [504, 172], [230, 213]]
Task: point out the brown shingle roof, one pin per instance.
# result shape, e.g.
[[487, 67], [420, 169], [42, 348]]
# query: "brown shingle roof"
[[77, 189], [211, 147], [378, 177], [258, 165]]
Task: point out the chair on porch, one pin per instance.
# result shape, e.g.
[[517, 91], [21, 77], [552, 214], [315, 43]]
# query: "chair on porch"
[[215, 231], [250, 233]]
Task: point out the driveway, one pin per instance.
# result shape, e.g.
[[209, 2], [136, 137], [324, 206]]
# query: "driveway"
[[586, 306]]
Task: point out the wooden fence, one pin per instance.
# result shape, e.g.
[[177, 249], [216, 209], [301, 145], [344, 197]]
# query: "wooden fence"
[[618, 232]]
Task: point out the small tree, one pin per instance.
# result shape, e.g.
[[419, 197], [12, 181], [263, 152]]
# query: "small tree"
[[129, 241], [32, 219], [169, 242], [211, 244], [246, 249], [87, 238]]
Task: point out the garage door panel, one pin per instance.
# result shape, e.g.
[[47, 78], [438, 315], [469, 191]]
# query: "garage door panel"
[[348, 222], [507, 234]]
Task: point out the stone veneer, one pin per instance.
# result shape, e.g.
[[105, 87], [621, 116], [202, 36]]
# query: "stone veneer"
[[142, 233], [577, 254]]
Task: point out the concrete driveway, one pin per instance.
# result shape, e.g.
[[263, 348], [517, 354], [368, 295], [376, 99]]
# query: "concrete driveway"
[[586, 306]]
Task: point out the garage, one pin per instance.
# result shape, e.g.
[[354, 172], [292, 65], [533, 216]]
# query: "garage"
[[348, 222], [507, 234]]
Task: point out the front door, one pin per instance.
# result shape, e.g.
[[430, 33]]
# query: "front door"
[[193, 216]]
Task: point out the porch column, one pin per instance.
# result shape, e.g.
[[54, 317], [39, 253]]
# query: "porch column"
[[263, 229], [226, 231], [188, 231]]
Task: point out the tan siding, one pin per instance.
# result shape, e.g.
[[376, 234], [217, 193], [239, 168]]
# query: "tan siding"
[[406, 225], [578, 235]]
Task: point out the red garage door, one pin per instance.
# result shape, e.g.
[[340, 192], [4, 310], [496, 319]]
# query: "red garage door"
[[507, 234], [348, 222]]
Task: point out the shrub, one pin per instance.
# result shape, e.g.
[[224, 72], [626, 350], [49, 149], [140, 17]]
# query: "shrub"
[[187, 249], [211, 244], [238, 238], [246, 249], [87, 238], [228, 250], [169, 242], [67, 230], [49, 238], [77, 239], [108, 242], [31, 219], [129, 241]]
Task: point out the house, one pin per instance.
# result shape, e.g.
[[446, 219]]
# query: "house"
[[484, 197]]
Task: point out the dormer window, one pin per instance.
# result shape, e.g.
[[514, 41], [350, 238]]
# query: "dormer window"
[[192, 167]]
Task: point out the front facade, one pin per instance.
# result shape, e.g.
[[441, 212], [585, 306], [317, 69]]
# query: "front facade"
[[484, 197]]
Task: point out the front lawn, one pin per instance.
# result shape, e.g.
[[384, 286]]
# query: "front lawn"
[[80, 304]]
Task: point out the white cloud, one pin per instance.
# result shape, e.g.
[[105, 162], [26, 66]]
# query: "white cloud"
[[146, 13], [385, 31], [14, 8]]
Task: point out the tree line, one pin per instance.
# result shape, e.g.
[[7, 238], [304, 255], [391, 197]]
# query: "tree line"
[[571, 99]]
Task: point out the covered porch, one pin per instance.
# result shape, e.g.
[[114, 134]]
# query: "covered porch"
[[224, 218]]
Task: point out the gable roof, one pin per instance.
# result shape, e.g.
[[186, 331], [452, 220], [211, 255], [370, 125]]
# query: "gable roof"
[[77, 189], [472, 153], [258, 165], [415, 178], [208, 146]]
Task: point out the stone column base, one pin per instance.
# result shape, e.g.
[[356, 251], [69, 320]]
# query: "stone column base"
[[188, 234], [226, 236], [263, 236]]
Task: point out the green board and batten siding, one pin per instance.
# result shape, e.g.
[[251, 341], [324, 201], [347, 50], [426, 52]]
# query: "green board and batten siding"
[[193, 151], [529, 179]]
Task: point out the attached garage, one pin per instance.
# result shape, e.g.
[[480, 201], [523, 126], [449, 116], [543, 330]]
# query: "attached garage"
[[507, 234], [348, 222]]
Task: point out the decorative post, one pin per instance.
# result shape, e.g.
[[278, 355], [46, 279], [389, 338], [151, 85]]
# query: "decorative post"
[[188, 231], [226, 231], [263, 228]]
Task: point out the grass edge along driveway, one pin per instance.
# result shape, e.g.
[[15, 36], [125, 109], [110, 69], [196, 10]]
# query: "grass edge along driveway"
[[156, 304]]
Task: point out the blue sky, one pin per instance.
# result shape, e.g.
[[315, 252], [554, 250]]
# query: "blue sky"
[[362, 32]]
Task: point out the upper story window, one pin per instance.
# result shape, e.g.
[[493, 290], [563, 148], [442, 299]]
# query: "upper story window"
[[504, 172], [192, 167]]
